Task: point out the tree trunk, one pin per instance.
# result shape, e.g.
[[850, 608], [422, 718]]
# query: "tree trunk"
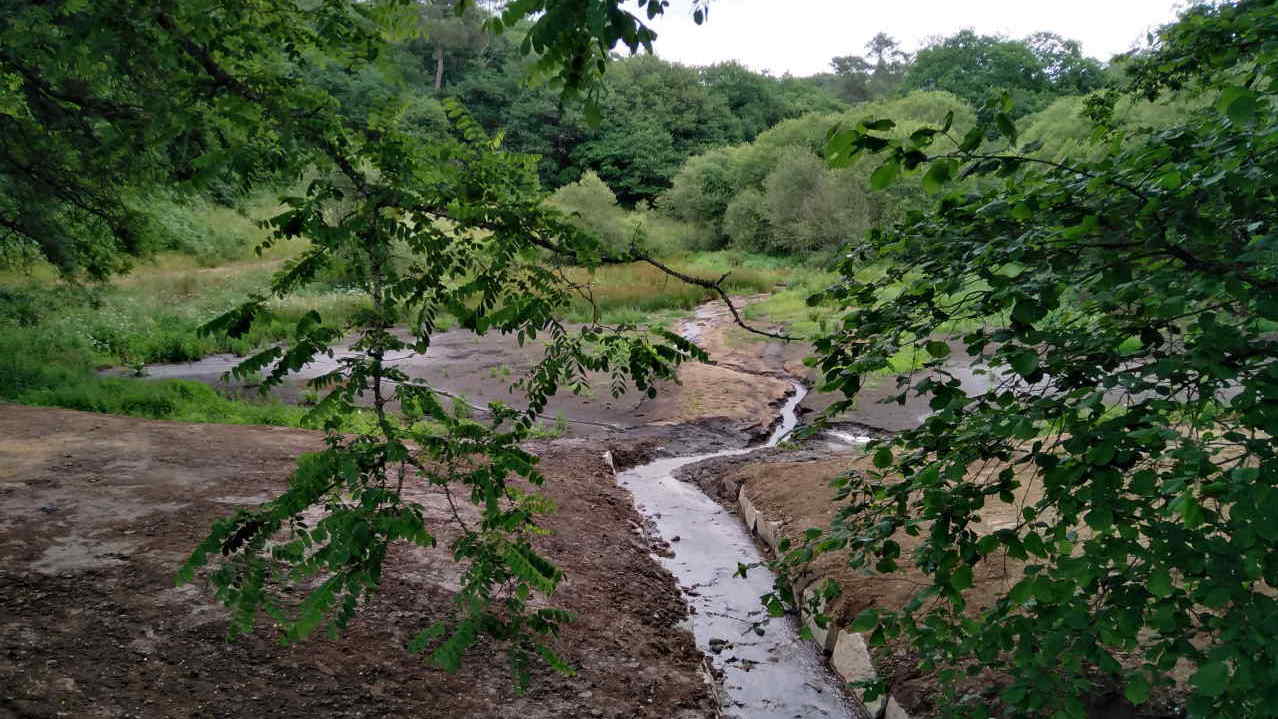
[[439, 68]]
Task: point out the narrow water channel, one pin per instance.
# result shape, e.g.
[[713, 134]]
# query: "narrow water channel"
[[774, 675]]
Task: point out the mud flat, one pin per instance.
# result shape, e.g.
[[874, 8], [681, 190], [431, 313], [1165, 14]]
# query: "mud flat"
[[480, 370]]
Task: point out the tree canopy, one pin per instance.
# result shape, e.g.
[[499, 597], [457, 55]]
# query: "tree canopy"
[[1034, 71], [1120, 305]]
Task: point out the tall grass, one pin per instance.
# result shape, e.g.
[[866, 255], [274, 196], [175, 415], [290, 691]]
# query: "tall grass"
[[633, 292]]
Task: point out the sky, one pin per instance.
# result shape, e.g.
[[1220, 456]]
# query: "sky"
[[800, 36]]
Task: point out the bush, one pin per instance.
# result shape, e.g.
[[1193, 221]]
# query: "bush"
[[746, 222], [212, 234], [593, 207], [701, 191], [775, 194]]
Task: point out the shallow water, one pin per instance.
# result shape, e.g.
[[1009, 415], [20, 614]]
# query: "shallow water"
[[775, 675]]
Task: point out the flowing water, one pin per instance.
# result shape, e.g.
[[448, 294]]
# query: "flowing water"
[[773, 675]]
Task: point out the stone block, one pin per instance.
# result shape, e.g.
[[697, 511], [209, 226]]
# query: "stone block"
[[749, 514]]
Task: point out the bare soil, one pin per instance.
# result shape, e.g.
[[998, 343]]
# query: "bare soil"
[[96, 512], [481, 369]]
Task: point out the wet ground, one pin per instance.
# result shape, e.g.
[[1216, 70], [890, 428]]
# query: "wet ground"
[[481, 369]]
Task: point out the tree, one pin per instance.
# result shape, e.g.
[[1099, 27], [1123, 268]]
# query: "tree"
[[1121, 303], [754, 102], [98, 100], [880, 76], [1034, 71], [446, 31]]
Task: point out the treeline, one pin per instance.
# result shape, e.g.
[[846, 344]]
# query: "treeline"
[[776, 195], [1035, 70], [653, 114]]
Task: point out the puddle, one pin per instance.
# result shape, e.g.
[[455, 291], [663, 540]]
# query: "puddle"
[[775, 675]]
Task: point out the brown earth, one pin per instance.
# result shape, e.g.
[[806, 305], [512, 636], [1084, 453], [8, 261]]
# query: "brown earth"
[[96, 512], [794, 488], [798, 494]]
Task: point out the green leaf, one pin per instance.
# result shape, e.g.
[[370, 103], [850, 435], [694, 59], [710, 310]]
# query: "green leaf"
[[1028, 311], [883, 458], [937, 348], [1212, 679], [1137, 691], [938, 173], [885, 174], [962, 578], [1024, 362], [1006, 126], [973, 139], [1239, 103], [1160, 584], [1170, 180], [841, 147], [1022, 591], [1101, 518], [865, 621]]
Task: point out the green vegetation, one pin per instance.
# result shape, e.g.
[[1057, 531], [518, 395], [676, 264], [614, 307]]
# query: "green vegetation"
[[775, 195], [651, 114], [1096, 236], [1033, 71], [1124, 291]]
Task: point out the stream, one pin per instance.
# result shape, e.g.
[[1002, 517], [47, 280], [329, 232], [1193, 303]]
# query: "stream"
[[773, 675]]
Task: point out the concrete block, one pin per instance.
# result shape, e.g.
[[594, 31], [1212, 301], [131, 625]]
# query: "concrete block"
[[824, 638], [894, 710], [749, 514], [851, 659], [769, 532]]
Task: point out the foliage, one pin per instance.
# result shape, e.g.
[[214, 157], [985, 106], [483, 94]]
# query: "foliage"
[[654, 115], [594, 208], [772, 195], [1063, 128], [860, 79], [447, 29], [1124, 308], [105, 102], [807, 208], [1034, 70]]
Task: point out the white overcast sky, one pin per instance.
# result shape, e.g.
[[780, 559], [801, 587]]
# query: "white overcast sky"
[[800, 36]]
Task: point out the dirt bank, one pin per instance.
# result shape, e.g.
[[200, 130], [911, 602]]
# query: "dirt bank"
[[96, 512]]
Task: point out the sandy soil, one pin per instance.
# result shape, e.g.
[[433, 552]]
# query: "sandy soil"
[[96, 512]]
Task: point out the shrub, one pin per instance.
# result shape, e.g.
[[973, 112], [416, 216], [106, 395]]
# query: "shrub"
[[810, 208], [746, 222], [593, 207]]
